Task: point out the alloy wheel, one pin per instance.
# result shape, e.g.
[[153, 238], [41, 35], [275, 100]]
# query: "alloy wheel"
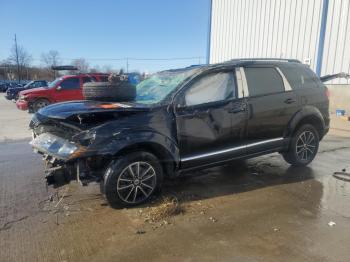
[[136, 182], [41, 104], [306, 146]]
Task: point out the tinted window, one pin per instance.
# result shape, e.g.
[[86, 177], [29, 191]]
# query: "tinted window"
[[211, 88], [104, 78], [39, 84], [263, 80], [308, 78], [87, 79], [300, 77], [70, 83]]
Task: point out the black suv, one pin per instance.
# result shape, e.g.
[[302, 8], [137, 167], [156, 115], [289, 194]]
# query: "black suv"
[[185, 119]]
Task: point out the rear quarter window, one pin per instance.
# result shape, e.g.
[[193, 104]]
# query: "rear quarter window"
[[263, 80], [301, 77]]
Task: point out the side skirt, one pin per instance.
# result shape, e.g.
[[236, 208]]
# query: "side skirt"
[[219, 163]]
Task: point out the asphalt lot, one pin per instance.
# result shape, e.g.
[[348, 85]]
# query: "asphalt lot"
[[257, 210]]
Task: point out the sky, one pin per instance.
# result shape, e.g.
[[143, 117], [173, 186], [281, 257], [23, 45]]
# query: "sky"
[[107, 29]]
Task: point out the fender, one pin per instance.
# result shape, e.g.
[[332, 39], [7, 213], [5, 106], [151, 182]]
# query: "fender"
[[306, 111], [130, 138]]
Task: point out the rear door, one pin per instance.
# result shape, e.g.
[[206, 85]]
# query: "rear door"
[[309, 89], [209, 107], [271, 105], [68, 89]]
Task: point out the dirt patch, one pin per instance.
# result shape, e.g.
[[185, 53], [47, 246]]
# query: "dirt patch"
[[168, 207]]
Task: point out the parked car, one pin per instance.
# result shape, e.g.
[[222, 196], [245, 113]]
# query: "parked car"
[[13, 92], [64, 88], [9, 84], [182, 120]]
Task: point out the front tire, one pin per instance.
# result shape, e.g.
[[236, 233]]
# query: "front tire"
[[40, 103], [132, 179], [303, 147]]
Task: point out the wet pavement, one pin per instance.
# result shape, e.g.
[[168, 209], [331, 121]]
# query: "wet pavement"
[[256, 210]]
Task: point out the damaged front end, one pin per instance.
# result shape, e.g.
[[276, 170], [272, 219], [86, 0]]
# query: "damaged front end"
[[66, 160], [67, 141]]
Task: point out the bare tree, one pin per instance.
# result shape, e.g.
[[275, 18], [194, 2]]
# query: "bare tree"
[[81, 64], [51, 58], [95, 69], [20, 57]]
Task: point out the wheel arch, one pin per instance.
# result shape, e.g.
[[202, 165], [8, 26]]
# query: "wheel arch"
[[35, 99], [307, 115], [160, 146]]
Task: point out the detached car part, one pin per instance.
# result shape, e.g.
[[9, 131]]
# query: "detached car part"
[[334, 76]]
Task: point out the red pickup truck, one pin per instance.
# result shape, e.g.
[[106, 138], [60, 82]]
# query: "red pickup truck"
[[65, 88]]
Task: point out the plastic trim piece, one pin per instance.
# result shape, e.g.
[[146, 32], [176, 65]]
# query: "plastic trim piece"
[[245, 84], [230, 149], [239, 83], [286, 84]]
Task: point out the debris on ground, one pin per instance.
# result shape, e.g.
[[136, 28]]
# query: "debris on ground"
[[343, 175], [276, 229], [213, 219], [331, 223], [140, 232], [9, 224], [168, 207]]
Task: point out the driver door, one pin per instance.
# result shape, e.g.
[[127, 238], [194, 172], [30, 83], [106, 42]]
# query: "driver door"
[[68, 89], [205, 112]]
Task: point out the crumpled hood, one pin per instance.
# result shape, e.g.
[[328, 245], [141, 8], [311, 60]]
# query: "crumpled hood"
[[67, 110]]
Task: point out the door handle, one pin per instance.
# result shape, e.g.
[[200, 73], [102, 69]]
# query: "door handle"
[[202, 113], [196, 113], [290, 101], [237, 109]]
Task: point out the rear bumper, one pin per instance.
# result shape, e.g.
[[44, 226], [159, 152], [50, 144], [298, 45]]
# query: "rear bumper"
[[22, 105]]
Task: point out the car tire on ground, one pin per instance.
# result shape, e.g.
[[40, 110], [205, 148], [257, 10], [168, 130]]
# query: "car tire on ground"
[[132, 179], [105, 91], [303, 146], [40, 103]]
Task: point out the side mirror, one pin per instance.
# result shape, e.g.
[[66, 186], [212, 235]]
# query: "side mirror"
[[59, 88]]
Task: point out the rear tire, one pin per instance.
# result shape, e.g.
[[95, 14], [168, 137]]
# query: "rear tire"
[[132, 179], [303, 146], [40, 103]]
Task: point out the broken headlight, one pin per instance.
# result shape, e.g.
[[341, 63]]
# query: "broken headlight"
[[54, 145], [85, 138]]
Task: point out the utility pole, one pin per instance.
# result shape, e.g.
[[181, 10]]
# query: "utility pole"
[[127, 65], [17, 61]]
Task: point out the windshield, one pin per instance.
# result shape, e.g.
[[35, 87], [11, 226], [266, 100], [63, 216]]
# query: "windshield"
[[29, 84], [155, 88], [54, 83]]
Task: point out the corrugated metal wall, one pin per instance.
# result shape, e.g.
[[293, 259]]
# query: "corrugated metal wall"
[[336, 56], [283, 29]]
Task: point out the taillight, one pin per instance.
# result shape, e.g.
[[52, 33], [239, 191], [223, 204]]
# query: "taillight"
[[327, 92]]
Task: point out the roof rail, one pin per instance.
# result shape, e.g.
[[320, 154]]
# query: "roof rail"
[[266, 59]]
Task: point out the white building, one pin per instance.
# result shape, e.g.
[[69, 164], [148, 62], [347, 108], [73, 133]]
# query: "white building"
[[314, 31]]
